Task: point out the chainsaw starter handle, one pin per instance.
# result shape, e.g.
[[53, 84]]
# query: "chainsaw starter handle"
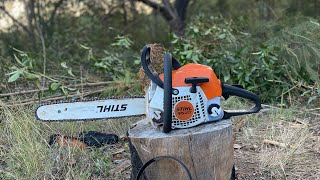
[[228, 90]]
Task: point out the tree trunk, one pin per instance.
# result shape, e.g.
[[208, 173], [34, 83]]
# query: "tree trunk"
[[206, 150], [31, 17], [175, 16], [177, 26]]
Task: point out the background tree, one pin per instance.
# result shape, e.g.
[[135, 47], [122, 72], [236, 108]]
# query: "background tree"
[[175, 14]]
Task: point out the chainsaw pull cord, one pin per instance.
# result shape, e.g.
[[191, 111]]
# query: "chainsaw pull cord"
[[141, 170]]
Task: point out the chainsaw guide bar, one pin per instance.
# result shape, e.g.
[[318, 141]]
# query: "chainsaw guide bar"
[[91, 109]]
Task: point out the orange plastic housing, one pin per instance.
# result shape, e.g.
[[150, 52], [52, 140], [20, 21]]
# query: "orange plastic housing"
[[211, 89]]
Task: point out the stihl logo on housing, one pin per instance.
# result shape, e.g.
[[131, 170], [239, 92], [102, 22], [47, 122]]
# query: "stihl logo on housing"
[[112, 108], [183, 110]]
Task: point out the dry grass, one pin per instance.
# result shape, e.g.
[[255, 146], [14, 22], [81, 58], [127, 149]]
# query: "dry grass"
[[24, 152], [278, 159], [295, 161]]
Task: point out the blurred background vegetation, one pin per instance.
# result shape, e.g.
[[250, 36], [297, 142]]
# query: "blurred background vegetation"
[[270, 47], [53, 49]]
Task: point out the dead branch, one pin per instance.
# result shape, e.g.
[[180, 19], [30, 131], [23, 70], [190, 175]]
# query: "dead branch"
[[165, 13], [72, 86], [33, 101], [275, 143], [300, 122]]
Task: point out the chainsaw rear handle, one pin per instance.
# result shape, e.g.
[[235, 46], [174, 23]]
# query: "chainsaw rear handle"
[[145, 62], [228, 90]]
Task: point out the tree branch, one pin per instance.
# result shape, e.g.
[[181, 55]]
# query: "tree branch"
[[165, 12], [54, 12], [14, 19], [93, 84], [169, 8], [181, 8]]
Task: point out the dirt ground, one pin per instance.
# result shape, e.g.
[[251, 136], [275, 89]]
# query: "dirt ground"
[[298, 159]]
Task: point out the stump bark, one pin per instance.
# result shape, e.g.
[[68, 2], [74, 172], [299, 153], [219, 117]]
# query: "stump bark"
[[206, 150]]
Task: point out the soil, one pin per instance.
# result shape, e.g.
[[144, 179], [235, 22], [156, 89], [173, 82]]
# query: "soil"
[[248, 164]]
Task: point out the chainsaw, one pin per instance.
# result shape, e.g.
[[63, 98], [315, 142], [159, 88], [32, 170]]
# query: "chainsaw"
[[180, 97]]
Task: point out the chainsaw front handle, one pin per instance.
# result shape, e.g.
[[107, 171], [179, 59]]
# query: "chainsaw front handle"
[[145, 62], [228, 90], [167, 90], [169, 63]]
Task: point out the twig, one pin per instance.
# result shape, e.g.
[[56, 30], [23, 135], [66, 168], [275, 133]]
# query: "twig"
[[275, 143], [315, 114], [52, 99], [81, 79], [267, 108], [314, 109], [35, 99], [21, 92], [270, 106], [46, 89], [300, 122]]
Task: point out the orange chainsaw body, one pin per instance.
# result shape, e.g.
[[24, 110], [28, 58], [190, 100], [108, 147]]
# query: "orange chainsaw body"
[[212, 89]]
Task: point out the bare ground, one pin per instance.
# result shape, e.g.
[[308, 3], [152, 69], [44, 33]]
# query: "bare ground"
[[300, 159]]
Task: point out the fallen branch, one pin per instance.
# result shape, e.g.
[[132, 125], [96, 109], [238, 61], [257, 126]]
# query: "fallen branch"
[[275, 143], [46, 89], [266, 108], [300, 122], [33, 101]]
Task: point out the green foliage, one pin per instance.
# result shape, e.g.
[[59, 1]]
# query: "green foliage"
[[268, 67], [252, 43], [23, 68], [110, 63], [122, 42], [116, 60]]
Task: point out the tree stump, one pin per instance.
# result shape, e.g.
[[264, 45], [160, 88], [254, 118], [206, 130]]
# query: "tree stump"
[[206, 150]]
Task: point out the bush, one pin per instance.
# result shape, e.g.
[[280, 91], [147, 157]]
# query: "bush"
[[271, 67]]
